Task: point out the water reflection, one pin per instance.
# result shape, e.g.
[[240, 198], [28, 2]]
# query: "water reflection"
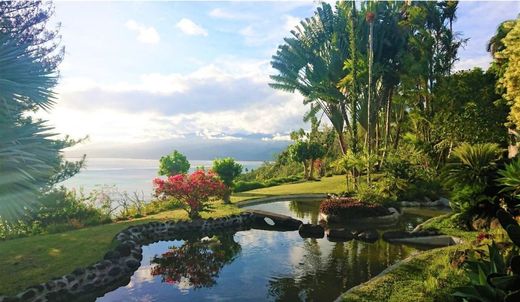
[[196, 263], [259, 265]]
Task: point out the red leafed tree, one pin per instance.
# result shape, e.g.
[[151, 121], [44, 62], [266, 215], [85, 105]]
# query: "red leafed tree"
[[195, 191]]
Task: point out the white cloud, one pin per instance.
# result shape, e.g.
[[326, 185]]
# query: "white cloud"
[[470, 63], [145, 34], [278, 137], [225, 100], [191, 28]]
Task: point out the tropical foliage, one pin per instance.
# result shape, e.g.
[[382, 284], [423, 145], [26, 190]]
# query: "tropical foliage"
[[30, 153]]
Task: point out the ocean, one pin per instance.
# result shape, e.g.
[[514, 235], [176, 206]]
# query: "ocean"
[[130, 175]]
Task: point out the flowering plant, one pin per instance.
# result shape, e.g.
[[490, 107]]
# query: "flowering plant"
[[194, 191]]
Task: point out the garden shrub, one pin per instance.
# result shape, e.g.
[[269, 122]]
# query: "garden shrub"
[[194, 191], [241, 186], [348, 207]]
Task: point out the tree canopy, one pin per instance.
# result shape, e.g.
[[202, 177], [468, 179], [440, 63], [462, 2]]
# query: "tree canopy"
[[173, 163]]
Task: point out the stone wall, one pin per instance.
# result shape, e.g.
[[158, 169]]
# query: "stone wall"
[[119, 264]]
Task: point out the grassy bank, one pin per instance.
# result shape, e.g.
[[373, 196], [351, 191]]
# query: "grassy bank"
[[33, 260], [426, 277]]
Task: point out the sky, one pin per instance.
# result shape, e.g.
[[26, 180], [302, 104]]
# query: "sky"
[[167, 73]]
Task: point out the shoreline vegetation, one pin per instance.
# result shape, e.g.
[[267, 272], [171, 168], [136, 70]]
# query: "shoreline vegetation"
[[35, 259]]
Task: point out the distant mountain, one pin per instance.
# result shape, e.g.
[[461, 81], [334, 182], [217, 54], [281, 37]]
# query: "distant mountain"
[[193, 148]]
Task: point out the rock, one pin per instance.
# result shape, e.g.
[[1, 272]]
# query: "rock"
[[311, 231], [124, 249], [79, 271], [132, 264], [410, 204], [28, 294], [111, 255], [390, 235], [443, 202], [368, 236], [114, 271], [339, 235], [427, 199]]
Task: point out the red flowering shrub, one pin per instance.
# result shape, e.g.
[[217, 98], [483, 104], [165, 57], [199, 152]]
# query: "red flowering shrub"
[[348, 207], [194, 190]]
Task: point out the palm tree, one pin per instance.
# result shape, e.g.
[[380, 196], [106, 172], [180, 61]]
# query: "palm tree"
[[472, 165], [311, 63], [28, 155]]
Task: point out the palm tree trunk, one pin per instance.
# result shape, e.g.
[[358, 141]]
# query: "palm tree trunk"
[[387, 124], [342, 143], [369, 112], [354, 94]]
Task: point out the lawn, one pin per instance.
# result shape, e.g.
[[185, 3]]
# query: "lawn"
[[33, 260], [334, 184]]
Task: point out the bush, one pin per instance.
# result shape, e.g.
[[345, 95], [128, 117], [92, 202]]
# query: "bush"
[[241, 186], [60, 210], [419, 190], [348, 207], [194, 191]]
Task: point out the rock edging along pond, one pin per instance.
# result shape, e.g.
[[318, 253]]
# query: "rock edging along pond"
[[119, 264]]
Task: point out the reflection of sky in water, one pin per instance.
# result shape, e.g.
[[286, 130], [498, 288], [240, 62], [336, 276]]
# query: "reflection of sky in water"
[[274, 266]]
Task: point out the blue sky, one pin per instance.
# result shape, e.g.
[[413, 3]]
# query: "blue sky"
[[156, 71]]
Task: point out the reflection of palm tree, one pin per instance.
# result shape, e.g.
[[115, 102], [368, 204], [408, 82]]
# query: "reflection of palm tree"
[[197, 261], [306, 208], [348, 264]]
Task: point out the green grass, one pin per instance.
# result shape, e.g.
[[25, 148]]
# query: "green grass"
[[33, 260], [334, 184], [426, 277]]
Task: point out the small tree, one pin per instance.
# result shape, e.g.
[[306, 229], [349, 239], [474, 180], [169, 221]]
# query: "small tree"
[[194, 191], [227, 169], [298, 153], [306, 153], [173, 163], [315, 151]]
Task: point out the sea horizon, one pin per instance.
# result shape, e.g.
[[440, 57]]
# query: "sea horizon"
[[128, 174]]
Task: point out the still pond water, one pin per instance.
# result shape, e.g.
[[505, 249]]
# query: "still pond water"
[[258, 265]]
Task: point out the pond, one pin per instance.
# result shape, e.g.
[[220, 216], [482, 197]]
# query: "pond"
[[258, 265]]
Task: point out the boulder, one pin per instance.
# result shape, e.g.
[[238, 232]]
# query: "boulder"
[[368, 236], [311, 231], [339, 235], [265, 220]]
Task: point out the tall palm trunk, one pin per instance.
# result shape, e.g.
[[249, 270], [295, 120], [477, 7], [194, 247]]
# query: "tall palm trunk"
[[354, 94], [370, 19], [387, 124]]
